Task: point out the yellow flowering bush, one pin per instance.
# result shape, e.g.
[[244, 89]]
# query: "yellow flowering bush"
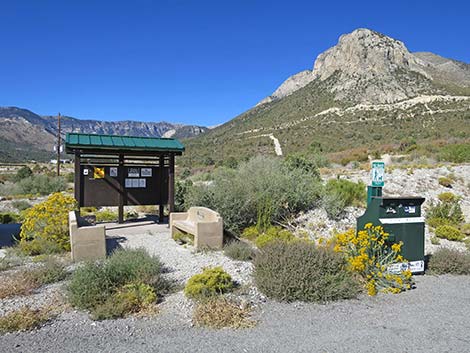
[[47, 223], [369, 255]]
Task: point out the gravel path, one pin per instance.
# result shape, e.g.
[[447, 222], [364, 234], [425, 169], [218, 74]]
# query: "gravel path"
[[435, 317]]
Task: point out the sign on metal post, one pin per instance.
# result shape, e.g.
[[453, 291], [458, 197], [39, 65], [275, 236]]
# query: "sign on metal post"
[[378, 174]]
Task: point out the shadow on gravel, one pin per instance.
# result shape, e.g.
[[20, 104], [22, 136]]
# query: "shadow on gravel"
[[113, 243]]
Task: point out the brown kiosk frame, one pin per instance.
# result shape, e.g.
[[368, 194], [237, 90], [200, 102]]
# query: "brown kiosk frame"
[[121, 160]]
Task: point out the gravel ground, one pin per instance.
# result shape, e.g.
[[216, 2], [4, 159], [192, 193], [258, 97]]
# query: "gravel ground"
[[434, 317]]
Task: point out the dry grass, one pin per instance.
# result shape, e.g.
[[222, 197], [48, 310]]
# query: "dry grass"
[[24, 282], [24, 319], [220, 313]]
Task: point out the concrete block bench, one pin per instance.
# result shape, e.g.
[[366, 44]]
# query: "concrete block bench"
[[205, 224], [86, 242]]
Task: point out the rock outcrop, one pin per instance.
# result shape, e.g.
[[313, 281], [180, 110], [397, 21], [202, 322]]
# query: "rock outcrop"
[[369, 67]]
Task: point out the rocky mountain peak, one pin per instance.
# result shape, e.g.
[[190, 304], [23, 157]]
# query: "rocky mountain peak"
[[369, 67]]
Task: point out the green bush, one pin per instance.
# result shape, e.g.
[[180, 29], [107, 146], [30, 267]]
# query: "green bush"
[[23, 173], [273, 234], [93, 284], [353, 194], [450, 261], [49, 272], [8, 218], [300, 161], [21, 205], [437, 222], [127, 266], [106, 216], [261, 185], [334, 205], [40, 184], [449, 233], [465, 228], [183, 238], [300, 271], [447, 197], [450, 210], [458, 153], [446, 182], [239, 250], [212, 281]]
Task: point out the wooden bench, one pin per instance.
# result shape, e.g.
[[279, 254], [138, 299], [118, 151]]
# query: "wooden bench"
[[86, 242], [205, 224]]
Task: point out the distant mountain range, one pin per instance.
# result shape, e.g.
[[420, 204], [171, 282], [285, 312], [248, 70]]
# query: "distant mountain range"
[[25, 135], [366, 91]]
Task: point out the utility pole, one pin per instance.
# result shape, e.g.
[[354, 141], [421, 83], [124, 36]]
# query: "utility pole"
[[58, 145]]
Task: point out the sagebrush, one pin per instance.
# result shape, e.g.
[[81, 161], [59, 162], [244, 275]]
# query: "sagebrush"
[[299, 270]]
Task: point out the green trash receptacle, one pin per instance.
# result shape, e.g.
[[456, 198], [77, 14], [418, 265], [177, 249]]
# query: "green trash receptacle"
[[401, 218]]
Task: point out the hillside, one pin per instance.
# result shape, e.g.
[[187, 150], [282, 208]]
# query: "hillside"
[[25, 135], [367, 91]]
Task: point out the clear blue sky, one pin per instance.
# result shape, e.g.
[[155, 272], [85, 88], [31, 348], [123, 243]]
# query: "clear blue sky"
[[196, 62]]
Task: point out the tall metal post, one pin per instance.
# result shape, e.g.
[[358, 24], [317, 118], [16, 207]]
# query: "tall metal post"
[[58, 145]]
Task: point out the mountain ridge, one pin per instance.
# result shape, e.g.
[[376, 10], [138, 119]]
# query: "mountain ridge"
[[26, 135], [365, 92]]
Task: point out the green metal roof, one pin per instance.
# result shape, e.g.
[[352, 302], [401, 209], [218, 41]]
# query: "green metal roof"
[[75, 141]]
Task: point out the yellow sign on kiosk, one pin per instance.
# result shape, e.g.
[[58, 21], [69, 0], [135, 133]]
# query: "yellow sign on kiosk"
[[98, 173]]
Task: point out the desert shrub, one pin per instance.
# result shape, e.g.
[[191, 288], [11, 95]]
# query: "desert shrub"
[[113, 287], [23, 319], [250, 233], [47, 222], [70, 177], [21, 205], [451, 261], [26, 281], [220, 312], [50, 271], [353, 194], [447, 197], [239, 250], [334, 205], [8, 218], [449, 232], [273, 234], [262, 184], [369, 255], [446, 182], [301, 271], [435, 241], [449, 210], [300, 161], [182, 188], [40, 246], [437, 222], [458, 153], [130, 265], [130, 298], [212, 281], [23, 173], [41, 184], [465, 229], [106, 216], [183, 238]]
